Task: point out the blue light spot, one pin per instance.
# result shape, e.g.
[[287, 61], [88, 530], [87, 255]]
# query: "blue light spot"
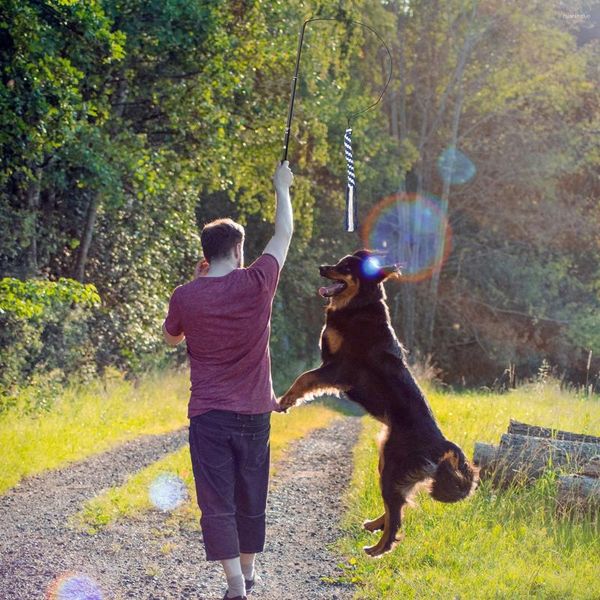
[[79, 587], [413, 232], [455, 167], [371, 266], [167, 491]]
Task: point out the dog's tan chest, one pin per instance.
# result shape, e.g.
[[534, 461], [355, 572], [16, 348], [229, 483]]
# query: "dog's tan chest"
[[334, 339]]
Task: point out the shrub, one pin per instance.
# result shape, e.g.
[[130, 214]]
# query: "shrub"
[[43, 332]]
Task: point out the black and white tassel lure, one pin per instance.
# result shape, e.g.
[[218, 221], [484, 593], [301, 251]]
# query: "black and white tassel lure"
[[351, 196]]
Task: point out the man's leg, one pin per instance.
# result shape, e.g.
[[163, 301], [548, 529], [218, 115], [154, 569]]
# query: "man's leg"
[[251, 487], [214, 474], [247, 564], [236, 586]]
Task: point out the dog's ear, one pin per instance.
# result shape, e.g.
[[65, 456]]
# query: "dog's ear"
[[390, 272], [366, 253], [362, 254]]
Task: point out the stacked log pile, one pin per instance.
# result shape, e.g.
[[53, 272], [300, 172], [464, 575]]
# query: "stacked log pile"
[[526, 451]]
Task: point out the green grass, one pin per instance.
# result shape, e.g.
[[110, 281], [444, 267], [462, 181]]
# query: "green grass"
[[89, 419], [131, 499], [507, 544]]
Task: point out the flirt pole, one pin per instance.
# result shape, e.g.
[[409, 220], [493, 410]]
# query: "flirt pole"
[[351, 190]]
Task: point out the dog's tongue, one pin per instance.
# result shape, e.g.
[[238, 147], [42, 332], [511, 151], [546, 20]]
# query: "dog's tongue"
[[330, 290]]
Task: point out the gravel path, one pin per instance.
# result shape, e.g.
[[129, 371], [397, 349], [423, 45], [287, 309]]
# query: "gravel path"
[[149, 558]]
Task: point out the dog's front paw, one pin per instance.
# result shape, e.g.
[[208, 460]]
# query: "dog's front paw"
[[286, 401], [280, 408]]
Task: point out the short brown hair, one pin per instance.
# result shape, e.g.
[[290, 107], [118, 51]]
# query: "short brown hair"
[[219, 237]]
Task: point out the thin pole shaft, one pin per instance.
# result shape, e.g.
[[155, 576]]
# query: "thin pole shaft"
[[286, 142], [288, 127]]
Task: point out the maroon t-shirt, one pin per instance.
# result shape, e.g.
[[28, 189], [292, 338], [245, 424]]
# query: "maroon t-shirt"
[[227, 323]]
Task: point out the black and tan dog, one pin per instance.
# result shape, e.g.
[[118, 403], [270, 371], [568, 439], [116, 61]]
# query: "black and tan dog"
[[363, 358]]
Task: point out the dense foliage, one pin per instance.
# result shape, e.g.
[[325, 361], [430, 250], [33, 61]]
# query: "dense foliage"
[[44, 334], [125, 126]]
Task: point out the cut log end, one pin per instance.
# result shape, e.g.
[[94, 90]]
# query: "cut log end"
[[592, 468], [484, 455], [578, 492]]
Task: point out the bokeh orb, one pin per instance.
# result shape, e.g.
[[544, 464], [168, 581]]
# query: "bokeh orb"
[[455, 167], [167, 491], [74, 586], [409, 230], [371, 266]]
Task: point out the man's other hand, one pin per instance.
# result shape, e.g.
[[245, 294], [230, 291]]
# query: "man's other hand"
[[201, 269], [283, 177]]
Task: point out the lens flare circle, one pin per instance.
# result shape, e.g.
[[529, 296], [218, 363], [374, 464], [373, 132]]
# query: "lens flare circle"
[[73, 586], [371, 266], [167, 491], [412, 231], [455, 167]]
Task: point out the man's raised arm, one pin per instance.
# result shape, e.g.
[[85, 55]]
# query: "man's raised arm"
[[284, 218]]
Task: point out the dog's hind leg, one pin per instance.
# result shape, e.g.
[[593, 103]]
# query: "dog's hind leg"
[[375, 524], [393, 500], [391, 524], [378, 523]]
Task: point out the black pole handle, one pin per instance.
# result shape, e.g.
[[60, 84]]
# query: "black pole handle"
[[288, 126]]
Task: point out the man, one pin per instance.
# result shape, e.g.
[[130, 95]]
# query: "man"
[[224, 315]]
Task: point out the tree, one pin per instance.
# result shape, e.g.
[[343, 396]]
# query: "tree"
[[504, 84]]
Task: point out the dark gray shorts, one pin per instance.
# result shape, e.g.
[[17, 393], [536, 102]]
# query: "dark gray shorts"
[[230, 457]]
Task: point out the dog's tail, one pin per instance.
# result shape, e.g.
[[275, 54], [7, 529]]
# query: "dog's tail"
[[455, 478]]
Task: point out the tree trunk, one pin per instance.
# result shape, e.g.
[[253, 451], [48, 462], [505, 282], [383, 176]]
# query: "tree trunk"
[[120, 97], [399, 120], [442, 231], [455, 82], [86, 238], [33, 204]]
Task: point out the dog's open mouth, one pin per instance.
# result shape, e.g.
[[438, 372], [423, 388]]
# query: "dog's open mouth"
[[332, 290]]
